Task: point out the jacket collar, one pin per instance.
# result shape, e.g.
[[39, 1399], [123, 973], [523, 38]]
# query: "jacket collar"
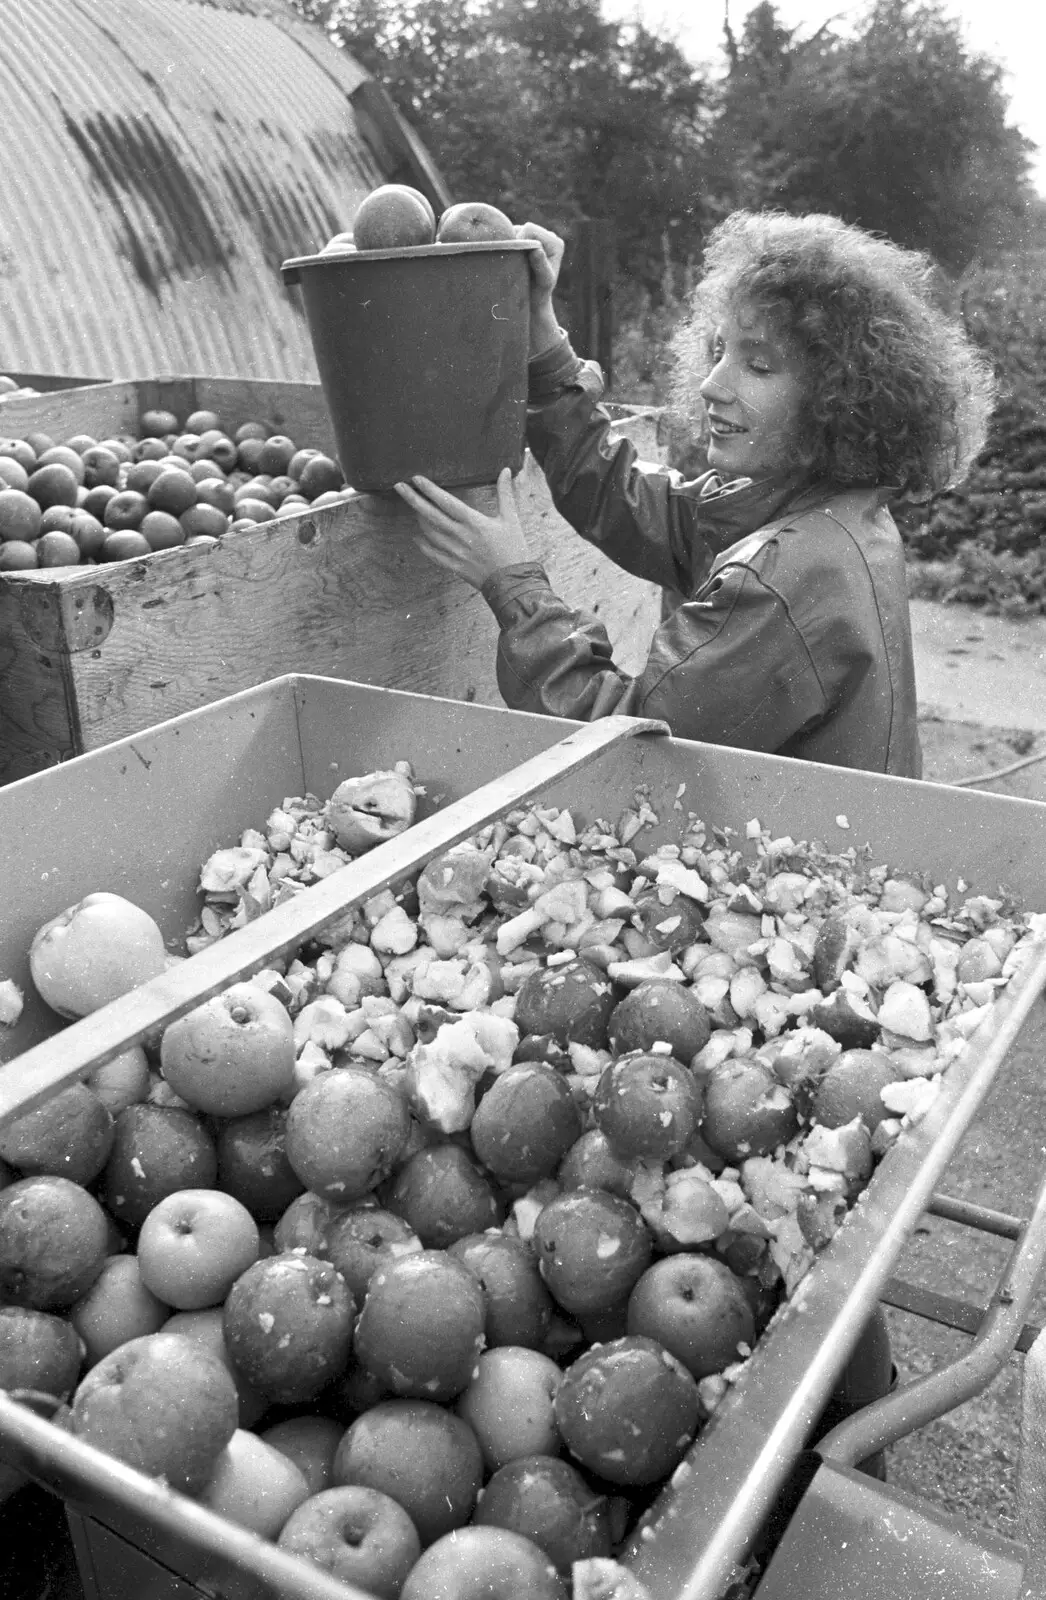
[[729, 509]]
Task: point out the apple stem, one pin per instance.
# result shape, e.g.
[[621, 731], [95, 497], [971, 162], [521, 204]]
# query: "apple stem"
[[240, 1014]]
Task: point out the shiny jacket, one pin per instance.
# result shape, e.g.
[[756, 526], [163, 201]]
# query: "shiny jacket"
[[792, 634]]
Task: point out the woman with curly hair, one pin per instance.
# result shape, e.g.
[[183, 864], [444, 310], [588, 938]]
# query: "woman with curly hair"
[[823, 381]]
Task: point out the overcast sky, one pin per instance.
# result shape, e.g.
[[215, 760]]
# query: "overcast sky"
[[1012, 32]]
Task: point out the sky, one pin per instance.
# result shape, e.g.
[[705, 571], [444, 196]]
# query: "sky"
[[1012, 32]]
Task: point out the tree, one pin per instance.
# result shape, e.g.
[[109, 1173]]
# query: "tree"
[[899, 128], [547, 110]]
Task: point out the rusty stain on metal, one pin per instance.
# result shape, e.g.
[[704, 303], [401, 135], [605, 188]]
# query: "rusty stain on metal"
[[169, 154]]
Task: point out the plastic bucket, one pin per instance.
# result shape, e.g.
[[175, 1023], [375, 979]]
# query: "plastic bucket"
[[422, 354]]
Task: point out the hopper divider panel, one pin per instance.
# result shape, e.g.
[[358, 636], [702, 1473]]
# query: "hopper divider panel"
[[47, 1067], [710, 1516]]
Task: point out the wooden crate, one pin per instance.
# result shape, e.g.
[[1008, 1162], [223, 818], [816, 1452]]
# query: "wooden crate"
[[89, 654]]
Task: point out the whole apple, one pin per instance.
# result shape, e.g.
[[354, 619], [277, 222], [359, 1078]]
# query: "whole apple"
[[696, 1308], [311, 1442], [93, 952], [358, 1535], [157, 1150], [660, 1013], [207, 1330], [421, 1327], [38, 1351], [254, 1485], [746, 1111], [393, 217], [422, 1455], [593, 1163], [288, 1326], [232, 1055], [647, 1105], [69, 1136], [359, 1241], [304, 1224], [483, 1564], [472, 222], [572, 1003], [519, 1307], [253, 1165], [194, 1245], [345, 1132], [548, 1500], [510, 1404], [122, 1082], [163, 1405], [628, 1410], [592, 1247], [116, 1307], [525, 1123], [442, 1194], [53, 1243]]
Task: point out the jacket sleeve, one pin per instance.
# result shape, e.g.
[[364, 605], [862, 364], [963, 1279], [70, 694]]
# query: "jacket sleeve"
[[631, 510], [728, 667]]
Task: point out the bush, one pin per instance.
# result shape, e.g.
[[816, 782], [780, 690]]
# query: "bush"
[[983, 541]]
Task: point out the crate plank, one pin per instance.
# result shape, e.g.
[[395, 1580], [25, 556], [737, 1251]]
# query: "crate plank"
[[90, 654], [297, 409], [103, 409]]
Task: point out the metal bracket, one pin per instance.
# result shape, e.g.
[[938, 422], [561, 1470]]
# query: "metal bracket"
[[998, 1331]]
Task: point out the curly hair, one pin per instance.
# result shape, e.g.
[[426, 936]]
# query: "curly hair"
[[895, 394]]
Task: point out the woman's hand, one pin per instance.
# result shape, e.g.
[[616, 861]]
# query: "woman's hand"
[[461, 538], [544, 274]]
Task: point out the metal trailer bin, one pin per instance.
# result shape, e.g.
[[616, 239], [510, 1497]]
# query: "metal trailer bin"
[[139, 816]]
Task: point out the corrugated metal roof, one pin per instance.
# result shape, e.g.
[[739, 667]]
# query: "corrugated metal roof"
[[162, 157]]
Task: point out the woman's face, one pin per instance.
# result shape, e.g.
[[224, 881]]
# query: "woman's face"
[[754, 400]]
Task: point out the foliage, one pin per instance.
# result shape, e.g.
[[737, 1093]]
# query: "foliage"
[[546, 110], [983, 541], [898, 128]]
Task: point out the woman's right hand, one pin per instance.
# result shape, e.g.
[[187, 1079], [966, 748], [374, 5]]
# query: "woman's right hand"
[[544, 274]]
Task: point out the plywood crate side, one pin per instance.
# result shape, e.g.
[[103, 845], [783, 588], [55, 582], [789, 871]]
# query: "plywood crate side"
[[102, 410], [297, 410], [103, 651]]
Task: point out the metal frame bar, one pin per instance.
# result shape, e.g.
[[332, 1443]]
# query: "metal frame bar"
[[965, 1316], [998, 1329]]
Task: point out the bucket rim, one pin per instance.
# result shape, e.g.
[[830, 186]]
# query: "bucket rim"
[[413, 252]]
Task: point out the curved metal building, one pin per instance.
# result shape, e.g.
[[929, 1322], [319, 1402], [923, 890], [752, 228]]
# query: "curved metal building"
[[160, 159]]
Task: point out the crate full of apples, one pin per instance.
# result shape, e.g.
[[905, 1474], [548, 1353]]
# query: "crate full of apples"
[[80, 499], [427, 1252]]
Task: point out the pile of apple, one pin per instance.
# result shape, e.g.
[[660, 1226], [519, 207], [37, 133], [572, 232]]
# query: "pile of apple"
[[88, 500], [428, 1252], [396, 217]]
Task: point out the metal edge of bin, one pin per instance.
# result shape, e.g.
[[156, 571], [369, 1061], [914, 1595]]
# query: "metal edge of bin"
[[700, 1532]]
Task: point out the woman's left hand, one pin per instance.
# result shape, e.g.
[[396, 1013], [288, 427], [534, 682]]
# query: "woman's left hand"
[[462, 539]]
